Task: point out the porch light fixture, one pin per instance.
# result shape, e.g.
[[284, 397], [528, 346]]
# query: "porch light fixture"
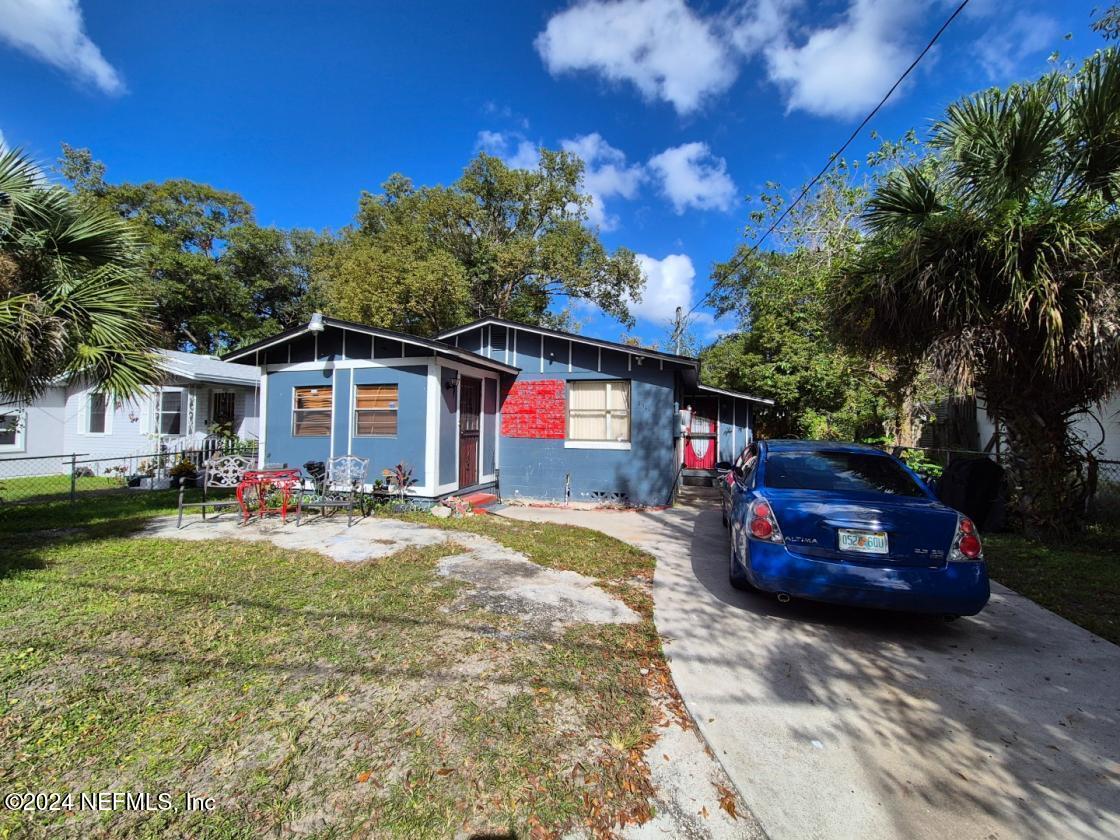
[[316, 322]]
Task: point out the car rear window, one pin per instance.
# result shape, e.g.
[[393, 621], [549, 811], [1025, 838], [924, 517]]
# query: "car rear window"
[[857, 472]]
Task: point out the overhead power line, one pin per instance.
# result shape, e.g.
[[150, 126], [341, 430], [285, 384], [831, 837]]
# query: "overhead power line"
[[828, 165]]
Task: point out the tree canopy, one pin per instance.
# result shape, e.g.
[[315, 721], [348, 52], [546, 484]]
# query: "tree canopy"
[[217, 278], [72, 298], [784, 348], [504, 242], [997, 258]]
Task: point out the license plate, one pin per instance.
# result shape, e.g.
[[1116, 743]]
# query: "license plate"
[[865, 542]]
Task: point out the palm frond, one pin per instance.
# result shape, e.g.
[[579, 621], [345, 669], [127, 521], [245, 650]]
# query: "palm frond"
[[905, 200]]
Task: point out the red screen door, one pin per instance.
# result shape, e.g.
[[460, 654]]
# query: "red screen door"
[[700, 444]]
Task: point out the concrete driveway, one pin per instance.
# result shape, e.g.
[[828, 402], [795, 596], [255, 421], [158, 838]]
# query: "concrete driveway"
[[842, 723]]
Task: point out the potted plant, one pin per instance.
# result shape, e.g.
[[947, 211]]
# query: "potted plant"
[[183, 473], [399, 480]]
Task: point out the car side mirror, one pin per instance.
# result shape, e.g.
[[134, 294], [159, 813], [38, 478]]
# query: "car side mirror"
[[724, 467], [738, 473]]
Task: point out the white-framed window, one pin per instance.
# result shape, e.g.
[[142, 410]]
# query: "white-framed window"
[[311, 410], [169, 413], [13, 430], [599, 412], [375, 410], [98, 413]]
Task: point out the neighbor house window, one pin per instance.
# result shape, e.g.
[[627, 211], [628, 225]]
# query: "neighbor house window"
[[98, 414], [12, 428], [599, 411], [311, 412], [170, 413], [375, 410], [221, 411]]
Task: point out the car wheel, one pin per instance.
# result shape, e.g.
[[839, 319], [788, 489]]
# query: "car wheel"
[[735, 575], [723, 512]]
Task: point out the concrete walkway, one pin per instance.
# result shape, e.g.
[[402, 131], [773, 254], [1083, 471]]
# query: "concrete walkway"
[[839, 723]]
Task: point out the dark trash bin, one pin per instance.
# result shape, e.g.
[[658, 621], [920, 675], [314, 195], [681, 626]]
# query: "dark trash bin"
[[975, 487]]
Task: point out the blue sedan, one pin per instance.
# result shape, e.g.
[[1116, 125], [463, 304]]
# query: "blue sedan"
[[850, 524]]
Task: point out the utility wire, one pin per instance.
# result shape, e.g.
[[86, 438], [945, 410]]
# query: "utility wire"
[[805, 191]]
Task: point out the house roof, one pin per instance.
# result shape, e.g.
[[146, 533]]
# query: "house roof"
[[437, 347], [197, 368], [567, 336], [736, 394]]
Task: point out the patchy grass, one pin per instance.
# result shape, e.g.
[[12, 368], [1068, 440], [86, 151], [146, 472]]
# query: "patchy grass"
[[1079, 579], [309, 697], [624, 570]]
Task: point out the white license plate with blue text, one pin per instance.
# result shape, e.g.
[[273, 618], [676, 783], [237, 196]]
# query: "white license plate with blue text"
[[865, 542]]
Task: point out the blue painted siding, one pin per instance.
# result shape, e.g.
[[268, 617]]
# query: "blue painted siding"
[[409, 443], [448, 427], [644, 473], [726, 422], [342, 407], [490, 424], [282, 447]]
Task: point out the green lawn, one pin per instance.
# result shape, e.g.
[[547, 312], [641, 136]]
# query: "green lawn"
[[1079, 580], [307, 696], [45, 487]]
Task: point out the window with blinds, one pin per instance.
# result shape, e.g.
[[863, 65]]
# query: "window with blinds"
[[599, 410], [311, 411], [375, 410]]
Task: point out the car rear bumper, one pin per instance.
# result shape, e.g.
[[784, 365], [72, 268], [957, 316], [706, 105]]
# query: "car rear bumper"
[[955, 588]]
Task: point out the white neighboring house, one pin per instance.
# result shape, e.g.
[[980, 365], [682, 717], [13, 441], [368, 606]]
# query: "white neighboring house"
[[198, 393], [1100, 428]]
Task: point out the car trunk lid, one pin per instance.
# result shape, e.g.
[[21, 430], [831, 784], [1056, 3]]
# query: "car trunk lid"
[[919, 530]]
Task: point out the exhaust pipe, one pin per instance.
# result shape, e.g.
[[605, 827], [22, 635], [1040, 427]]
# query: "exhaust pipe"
[[783, 597]]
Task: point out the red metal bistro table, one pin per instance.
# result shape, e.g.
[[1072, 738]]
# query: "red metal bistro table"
[[267, 491]]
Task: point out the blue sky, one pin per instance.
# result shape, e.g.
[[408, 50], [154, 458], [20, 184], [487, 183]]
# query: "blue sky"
[[680, 109]]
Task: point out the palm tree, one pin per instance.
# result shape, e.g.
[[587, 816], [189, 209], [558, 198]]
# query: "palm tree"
[[71, 299], [996, 257]]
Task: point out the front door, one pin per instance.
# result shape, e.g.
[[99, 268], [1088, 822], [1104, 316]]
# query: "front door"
[[700, 443], [470, 412]]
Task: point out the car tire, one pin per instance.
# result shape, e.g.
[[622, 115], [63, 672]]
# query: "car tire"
[[735, 576], [723, 513]]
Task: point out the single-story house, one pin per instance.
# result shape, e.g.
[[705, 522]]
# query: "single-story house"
[[201, 397], [532, 412]]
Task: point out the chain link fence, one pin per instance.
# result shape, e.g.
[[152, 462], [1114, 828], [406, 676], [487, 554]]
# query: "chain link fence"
[[52, 478]]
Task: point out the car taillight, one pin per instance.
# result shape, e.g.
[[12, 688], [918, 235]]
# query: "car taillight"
[[966, 542], [761, 522]]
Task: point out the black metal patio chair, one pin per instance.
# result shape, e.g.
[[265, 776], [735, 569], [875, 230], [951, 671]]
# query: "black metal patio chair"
[[339, 487], [223, 472]]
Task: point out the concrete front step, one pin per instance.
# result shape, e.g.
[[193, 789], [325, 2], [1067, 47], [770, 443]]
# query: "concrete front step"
[[481, 501]]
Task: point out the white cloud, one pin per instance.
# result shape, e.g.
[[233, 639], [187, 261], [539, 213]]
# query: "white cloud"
[[671, 52], [1005, 45], [842, 70], [661, 47], [516, 151], [53, 31], [606, 175], [758, 23], [691, 176], [668, 284]]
